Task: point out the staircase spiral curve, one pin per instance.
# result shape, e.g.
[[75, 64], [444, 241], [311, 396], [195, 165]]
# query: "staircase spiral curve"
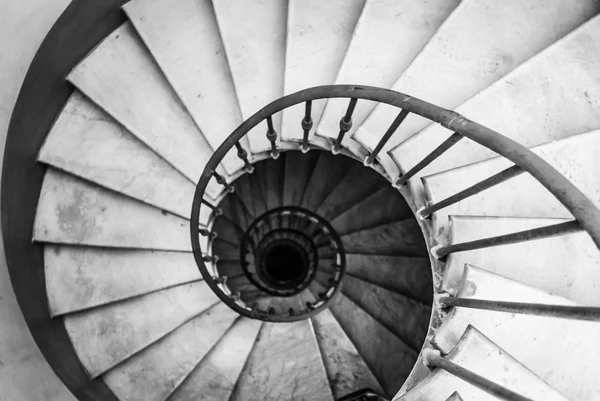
[[308, 200]]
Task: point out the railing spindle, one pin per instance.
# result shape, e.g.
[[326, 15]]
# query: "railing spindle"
[[386, 137], [221, 180], [345, 125], [272, 137], [507, 239], [205, 233], [243, 154], [590, 313], [437, 152], [433, 358], [216, 210], [489, 182], [307, 124]]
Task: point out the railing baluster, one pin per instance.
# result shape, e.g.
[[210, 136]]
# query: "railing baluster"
[[205, 233], [513, 238], [386, 137], [489, 182], [575, 312], [307, 124], [345, 125], [437, 152], [216, 210], [272, 137], [432, 358], [242, 154], [222, 181]]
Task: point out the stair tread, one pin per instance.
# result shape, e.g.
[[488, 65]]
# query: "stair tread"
[[216, 375], [72, 211], [299, 169], [87, 142], [384, 206], [284, 364], [381, 65], [345, 368], [79, 278], [409, 276], [462, 59], [570, 367], [318, 34], [115, 73], [399, 238], [573, 157], [257, 66], [477, 353], [104, 337], [566, 70], [184, 39], [564, 265], [154, 373], [390, 359], [389, 309], [271, 176]]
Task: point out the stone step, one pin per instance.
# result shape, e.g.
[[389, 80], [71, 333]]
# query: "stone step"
[[215, 376], [72, 211], [346, 369], [388, 357], [156, 372], [384, 206], [106, 336], [390, 308], [88, 143], [184, 39], [318, 34], [564, 265], [408, 276], [513, 108], [285, 364], [258, 65], [381, 65], [557, 350], [115, 73], [79, 278], [477, 353], [521, 196], [471, 50], [271, 176], [299, 169]]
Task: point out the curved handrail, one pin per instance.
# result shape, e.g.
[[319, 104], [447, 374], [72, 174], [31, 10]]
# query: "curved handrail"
[[584, 211]]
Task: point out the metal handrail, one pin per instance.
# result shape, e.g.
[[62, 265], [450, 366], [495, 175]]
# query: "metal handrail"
[[587, 216]]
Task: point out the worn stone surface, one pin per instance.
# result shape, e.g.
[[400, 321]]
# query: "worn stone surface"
[[161, 122], [564, 72], [87, 142], [478, 354], [462, 59], [345, 367], [410, 276], [559, 351], [406, 27], [285, 364], [184, 39], [106, 336], [154, 373], [407, 319], [79, 278], [389, 358], [73, 211], [318, 34], [565, 265], [216, 375], [258, 65]]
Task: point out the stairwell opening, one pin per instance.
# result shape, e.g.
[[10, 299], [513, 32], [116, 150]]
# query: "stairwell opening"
[[285, 263]]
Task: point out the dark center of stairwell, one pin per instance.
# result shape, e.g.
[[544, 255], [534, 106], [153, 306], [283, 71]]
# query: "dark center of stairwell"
[[285, 264]]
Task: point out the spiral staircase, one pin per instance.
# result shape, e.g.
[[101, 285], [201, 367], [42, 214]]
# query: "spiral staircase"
[[250, 200]]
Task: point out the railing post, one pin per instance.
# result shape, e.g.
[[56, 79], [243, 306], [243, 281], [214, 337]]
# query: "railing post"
[[345, 126], [272, 137], [307, 124]]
